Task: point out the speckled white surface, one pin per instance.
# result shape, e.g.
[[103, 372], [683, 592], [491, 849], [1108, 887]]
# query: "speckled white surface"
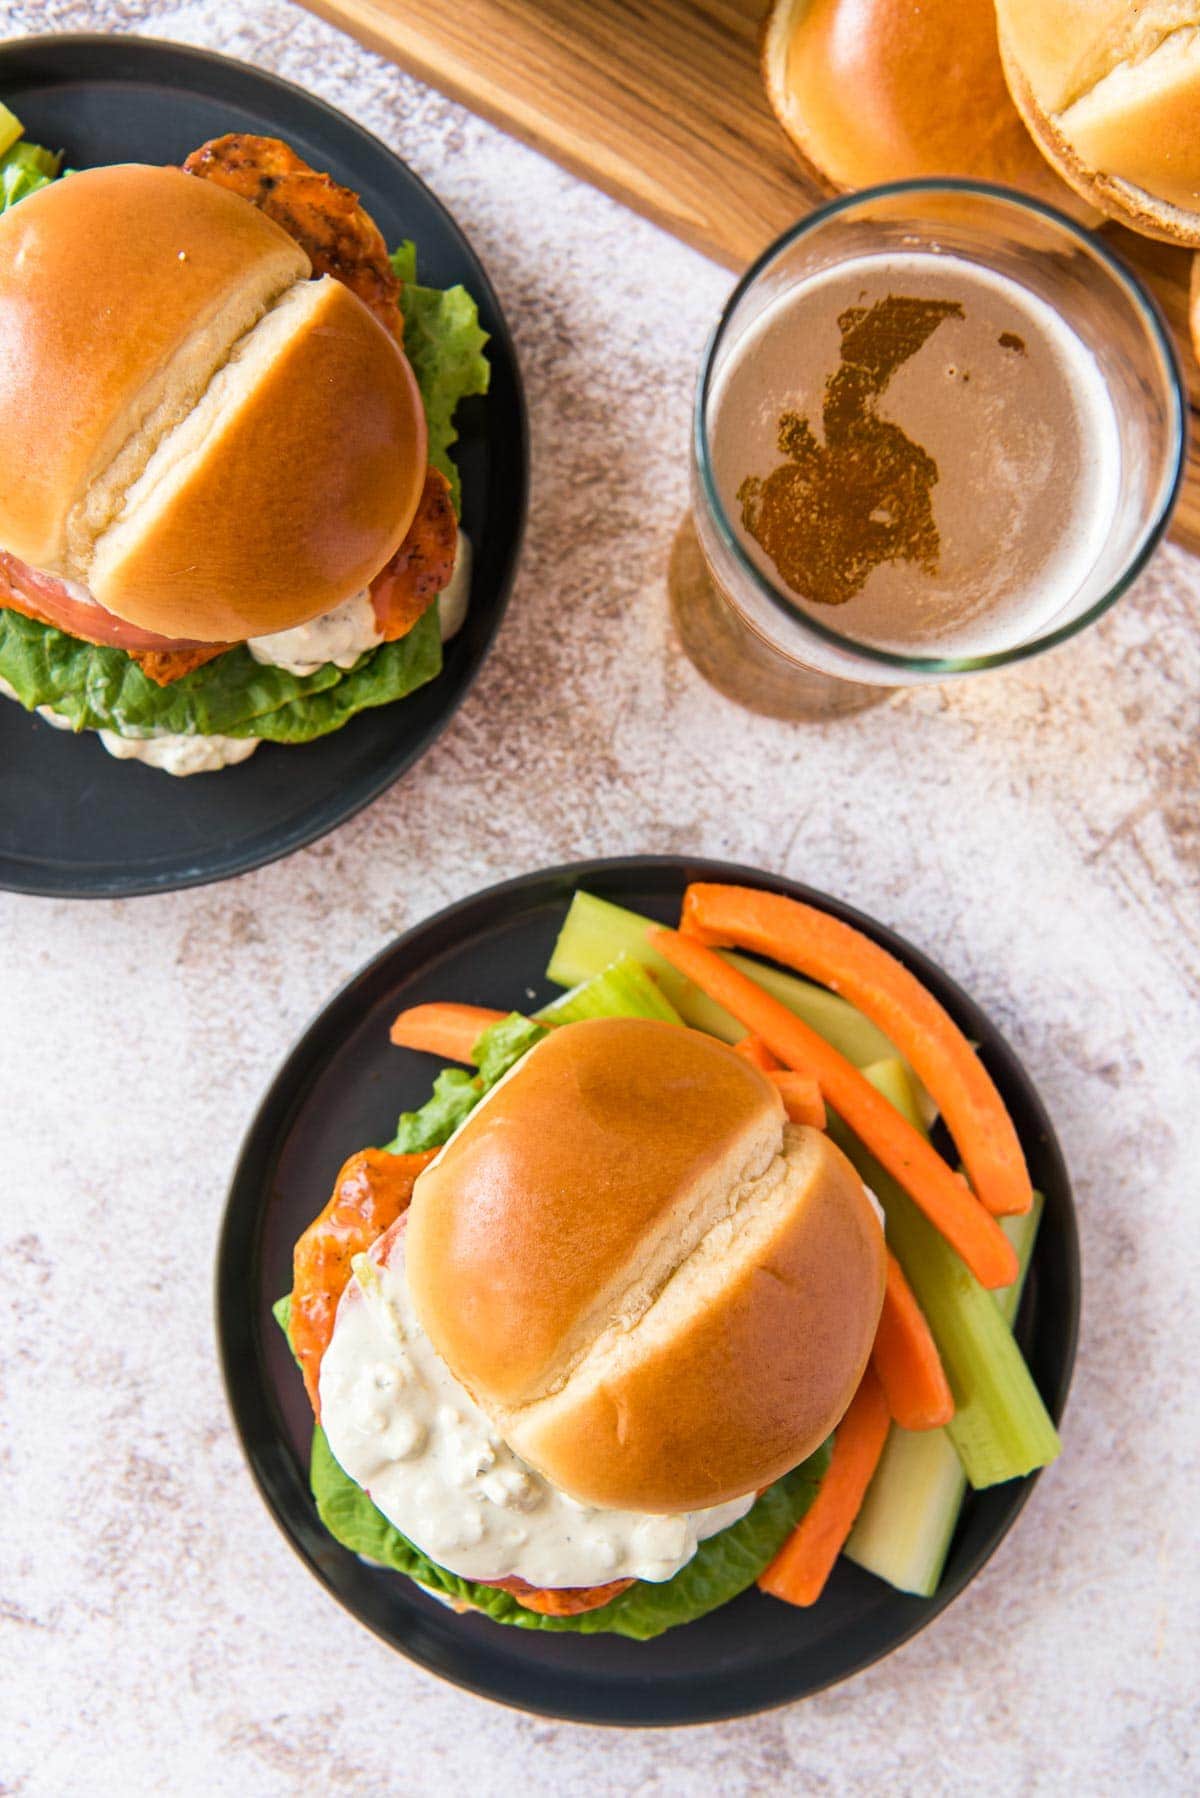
[[1037, 831]]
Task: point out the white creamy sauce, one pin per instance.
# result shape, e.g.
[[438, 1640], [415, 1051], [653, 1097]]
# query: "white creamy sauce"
[[54, 719], [180, 754], [412, 1437], [456, 594], [350, 631], [340, 637]]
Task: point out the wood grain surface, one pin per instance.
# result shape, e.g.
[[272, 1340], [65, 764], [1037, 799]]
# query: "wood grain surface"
[[660, 103]]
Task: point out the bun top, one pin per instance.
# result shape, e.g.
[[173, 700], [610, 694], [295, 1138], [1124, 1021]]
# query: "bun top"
[[880, 90], [662, 1297], [211, 443], [560, 1189], [1111, 92]]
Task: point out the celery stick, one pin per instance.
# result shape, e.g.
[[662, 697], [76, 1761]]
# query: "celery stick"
[[1001, 1429], [970, 1429], [10, 128], [622, 990], [595, 932], [893, 1078], [904, 1530]]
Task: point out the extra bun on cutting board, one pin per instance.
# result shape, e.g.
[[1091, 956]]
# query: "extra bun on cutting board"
[[885, 90], [1111, 92], [214, 445], [662, 1294]]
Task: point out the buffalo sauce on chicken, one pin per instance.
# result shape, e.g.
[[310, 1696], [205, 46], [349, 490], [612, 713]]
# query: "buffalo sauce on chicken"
[[407, 586], [559, 1601], [336, 234], [372, 1190]]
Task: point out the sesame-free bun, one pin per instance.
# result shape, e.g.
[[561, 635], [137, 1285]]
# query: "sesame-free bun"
[[884, 90], [662, 1294], [1111, 92], [213, 444]]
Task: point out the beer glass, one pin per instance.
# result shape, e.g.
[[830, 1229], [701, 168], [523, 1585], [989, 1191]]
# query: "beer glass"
[[762, 642]]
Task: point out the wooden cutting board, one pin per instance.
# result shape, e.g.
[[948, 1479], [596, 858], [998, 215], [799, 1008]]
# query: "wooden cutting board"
[[660, 103]]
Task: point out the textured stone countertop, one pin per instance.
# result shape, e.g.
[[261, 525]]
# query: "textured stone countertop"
[[1036, 831]]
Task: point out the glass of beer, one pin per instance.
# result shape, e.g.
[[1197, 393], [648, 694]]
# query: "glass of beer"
[[938, 428]]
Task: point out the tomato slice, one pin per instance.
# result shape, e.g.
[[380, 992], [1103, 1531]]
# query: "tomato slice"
[[41, 596]]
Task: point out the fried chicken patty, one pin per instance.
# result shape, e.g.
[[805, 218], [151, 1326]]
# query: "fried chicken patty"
[[338, 236]]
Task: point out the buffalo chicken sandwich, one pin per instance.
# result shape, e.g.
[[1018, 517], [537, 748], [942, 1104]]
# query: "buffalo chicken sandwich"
[[226, 507], [577, 1367]]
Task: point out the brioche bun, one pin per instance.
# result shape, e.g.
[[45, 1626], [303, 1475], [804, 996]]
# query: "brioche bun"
[[1111, 93], [214, 445], [888, 90], [662, 1294]]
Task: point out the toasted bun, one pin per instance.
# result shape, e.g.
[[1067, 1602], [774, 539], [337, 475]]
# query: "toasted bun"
[[663, 1295], [883, 90], [214, 445], [1111, 92]]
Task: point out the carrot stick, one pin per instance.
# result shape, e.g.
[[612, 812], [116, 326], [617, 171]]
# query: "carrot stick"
[[757, 1054], [800, 1569], [444, 1029], [882, 988], [801, 1097], [906, 1359], [940, 1193]]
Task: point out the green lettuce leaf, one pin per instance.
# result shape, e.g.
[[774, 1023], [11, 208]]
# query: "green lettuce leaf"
[[235, 696], [404, 262], [502, 1045], [444, 341], [721, 1568], [23, 169], [456, 1093]]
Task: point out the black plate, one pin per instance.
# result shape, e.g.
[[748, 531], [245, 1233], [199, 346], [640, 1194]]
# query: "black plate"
[[340, 1089], [72, 820]]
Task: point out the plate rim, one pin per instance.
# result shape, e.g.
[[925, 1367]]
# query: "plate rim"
[[279, 1102], [131, 884]]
